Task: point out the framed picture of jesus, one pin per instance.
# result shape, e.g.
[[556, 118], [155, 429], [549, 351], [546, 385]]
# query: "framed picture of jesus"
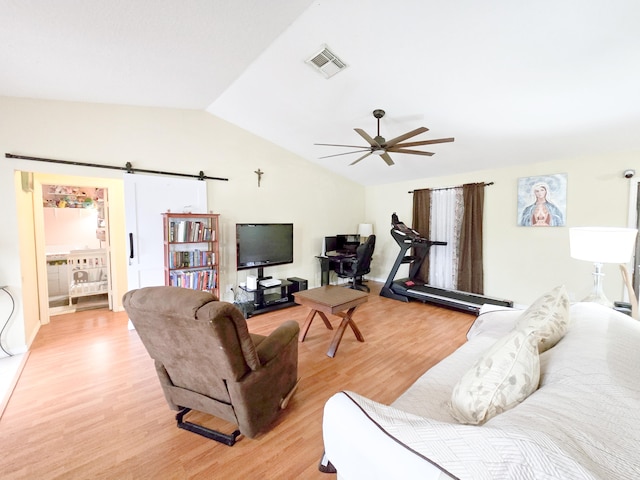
[[542, 200]]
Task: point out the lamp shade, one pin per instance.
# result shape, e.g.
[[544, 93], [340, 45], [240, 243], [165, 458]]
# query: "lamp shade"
[[365, 229], [602, 244]]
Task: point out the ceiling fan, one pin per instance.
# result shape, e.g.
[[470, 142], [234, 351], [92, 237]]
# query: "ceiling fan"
[[379, 146]]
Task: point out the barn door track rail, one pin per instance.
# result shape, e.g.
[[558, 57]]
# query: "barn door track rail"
[[127, 168]]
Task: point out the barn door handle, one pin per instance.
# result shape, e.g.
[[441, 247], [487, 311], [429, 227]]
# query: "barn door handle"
[[131, 245]]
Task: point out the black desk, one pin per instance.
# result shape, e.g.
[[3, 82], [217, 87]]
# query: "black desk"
[[329, 263]]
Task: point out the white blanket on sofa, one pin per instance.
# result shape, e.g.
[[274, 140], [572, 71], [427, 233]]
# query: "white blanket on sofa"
[[583, 422]]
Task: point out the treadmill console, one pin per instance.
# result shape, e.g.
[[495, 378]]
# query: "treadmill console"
[[412, 235]]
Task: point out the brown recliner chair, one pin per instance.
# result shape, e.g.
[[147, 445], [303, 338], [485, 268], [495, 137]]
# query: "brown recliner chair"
[[207, 360]]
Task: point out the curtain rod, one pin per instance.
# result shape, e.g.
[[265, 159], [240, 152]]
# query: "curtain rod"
[[128, 167], [447, 188]]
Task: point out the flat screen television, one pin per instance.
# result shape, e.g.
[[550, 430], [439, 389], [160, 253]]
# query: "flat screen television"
[[330, 244], [347, 243], [261, 245]]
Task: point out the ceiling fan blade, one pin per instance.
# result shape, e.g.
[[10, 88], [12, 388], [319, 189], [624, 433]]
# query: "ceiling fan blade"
[[385, 156], [346, 153], [412, 152], [410, 134], [366, 136], [425, 142], [338, 145], [361, 158]]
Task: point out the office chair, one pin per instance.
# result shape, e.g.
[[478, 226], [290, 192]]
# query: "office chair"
[[207, 360], [355, 268]]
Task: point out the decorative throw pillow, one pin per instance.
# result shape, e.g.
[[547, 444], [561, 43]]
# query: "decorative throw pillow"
[[495, 322], [503, 377], [547, 317]]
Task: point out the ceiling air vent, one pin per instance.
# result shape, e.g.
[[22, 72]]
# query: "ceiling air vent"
[[326, 62]]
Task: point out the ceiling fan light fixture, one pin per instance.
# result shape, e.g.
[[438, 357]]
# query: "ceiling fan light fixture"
[[381, 147]]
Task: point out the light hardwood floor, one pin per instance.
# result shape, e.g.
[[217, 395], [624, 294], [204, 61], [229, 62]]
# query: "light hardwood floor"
[[89, 405]]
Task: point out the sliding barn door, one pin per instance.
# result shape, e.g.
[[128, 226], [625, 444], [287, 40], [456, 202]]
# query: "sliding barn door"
[[146, 198]]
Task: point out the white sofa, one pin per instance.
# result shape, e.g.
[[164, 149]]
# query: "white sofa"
[[582, 421]]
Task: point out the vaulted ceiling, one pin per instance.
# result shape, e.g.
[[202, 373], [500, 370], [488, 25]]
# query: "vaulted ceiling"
[[513, 82]]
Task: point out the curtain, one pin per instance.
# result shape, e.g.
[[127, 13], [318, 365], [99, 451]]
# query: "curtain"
[[452, 215], [421, 223], [444, 222], [470, 260]]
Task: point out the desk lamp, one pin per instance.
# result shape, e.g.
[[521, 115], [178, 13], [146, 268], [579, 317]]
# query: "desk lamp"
[[365, 230], [601, 245]]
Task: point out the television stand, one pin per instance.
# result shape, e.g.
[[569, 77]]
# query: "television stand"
[[261, 275], [267, 299]]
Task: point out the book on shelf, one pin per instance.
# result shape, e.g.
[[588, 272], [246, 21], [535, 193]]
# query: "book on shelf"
[[190, 231], [196, 279], [191, 251], [193, 258]]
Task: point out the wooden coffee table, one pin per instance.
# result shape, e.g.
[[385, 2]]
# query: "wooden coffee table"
[[334, 300]]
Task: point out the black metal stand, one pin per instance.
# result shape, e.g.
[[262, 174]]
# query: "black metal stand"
[[267, 299], [325, 466], [227, 439]]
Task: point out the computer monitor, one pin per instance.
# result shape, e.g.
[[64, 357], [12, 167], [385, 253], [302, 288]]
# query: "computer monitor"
[[330, 244], [347, 243]]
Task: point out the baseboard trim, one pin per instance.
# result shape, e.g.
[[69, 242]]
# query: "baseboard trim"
[[15, 370]]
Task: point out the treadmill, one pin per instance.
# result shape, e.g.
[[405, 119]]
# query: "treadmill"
[[410, 288]]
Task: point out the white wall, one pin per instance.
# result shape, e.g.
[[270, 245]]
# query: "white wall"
[[292, 190], [70, 229], [520, 262]]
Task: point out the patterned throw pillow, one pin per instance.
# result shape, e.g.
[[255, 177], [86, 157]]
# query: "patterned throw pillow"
[[503, 377], [547, 317]]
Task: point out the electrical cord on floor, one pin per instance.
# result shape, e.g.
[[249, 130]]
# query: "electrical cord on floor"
[[13, 308]]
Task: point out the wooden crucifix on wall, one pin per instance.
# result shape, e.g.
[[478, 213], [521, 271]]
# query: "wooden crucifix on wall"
[[259, 173]]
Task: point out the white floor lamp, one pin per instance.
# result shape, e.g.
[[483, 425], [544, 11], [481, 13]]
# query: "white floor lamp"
[[601, 245]]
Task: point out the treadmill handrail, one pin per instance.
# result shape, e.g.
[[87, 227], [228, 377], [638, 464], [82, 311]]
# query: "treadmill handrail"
[[407, 238]]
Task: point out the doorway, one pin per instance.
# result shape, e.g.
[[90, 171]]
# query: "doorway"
[[106, 231], [76, 247]]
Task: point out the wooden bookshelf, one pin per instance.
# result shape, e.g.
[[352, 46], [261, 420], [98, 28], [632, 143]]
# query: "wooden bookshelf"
[[191, 256]]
